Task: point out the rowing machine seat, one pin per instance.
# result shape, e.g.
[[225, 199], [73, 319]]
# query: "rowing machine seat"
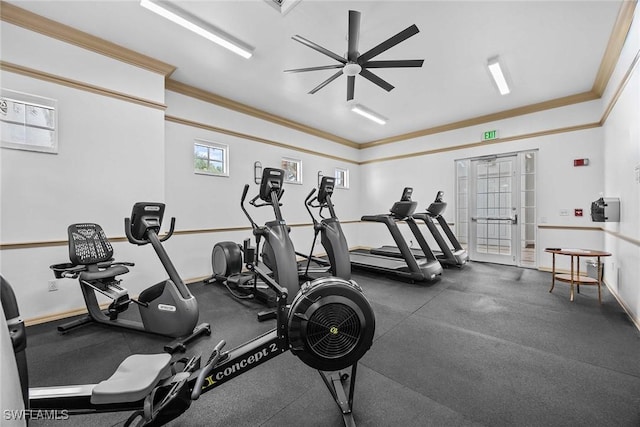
[[133, 380]]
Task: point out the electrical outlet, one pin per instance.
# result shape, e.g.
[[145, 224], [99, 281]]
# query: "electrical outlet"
[[53, 285], [564, 212]]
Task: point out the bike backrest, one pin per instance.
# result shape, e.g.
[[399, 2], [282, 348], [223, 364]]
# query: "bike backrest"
[[88, 244], [272, 180], [325, 188]]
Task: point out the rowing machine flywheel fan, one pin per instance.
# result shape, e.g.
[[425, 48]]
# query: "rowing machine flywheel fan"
[[331, 324]]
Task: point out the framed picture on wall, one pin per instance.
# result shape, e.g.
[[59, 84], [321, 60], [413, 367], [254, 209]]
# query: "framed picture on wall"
[[292, 170], [28, 122]]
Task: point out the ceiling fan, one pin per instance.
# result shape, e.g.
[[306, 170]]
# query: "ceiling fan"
[[354, 63]]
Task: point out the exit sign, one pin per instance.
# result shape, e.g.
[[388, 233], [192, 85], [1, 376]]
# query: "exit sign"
[[490, 134]]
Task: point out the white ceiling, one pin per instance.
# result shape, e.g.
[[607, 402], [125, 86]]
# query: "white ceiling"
[[550, 49]]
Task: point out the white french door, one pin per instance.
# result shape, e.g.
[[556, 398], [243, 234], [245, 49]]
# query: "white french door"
[[496, 208]]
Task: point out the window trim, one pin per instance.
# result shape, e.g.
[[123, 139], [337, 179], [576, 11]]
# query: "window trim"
[[346, 184], [211, 144], [29, 100], [298, 179]]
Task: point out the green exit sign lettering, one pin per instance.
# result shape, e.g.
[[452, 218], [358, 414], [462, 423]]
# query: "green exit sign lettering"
[[490, 134]]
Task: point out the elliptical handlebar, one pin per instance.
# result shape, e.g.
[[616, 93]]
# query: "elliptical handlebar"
[[242, 199], [308, 203]]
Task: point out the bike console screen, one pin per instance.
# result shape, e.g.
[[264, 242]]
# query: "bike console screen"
[[145, 216]]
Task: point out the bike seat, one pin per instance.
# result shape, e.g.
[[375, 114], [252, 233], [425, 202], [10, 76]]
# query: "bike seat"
[[107, 273], [133, 380]]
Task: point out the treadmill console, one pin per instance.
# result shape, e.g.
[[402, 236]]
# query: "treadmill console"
[[438, 206], [405, 207], [272, 180], [406, 194]]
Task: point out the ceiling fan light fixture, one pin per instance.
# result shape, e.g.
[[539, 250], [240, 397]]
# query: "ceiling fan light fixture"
[[351, 69], [192, 23], [368, 113], [498, 75]]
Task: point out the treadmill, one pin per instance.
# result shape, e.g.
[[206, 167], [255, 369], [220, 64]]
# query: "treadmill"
[[455, 255], [406, 266]]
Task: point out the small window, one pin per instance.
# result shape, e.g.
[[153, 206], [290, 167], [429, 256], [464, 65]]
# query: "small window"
[[292, 170], [342, 178], [211, 158], [28, 122]]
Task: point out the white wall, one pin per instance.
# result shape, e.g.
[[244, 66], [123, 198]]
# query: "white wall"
[[211, 202], [621, 157], [111, 154], [114, 153], [560, 185]]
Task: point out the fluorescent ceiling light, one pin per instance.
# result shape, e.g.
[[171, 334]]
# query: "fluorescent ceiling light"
[[498, 75], [369, 114], [193, 23]]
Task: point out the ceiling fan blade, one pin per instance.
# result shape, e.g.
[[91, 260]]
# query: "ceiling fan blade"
[[323, 67], [394, 64], [389, 43], [354, 34], [351, 87], [377, 80], [326, 82], [319, 48]]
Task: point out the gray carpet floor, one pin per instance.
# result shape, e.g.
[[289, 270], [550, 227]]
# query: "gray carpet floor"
[[485, 345]]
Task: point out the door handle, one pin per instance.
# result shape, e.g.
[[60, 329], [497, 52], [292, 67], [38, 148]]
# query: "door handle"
[[513, 219]]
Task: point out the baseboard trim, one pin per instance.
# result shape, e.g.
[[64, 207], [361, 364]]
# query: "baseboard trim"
[[625, 307]]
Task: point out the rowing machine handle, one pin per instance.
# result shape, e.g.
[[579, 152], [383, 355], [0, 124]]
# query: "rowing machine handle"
[[206, 370]]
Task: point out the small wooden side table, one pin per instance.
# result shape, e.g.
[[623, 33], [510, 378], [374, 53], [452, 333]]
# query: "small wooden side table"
[[574, 277]]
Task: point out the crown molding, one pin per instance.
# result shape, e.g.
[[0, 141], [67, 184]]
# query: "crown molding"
[[75, 84], [230, 104], [29, 20], [614, 47], [501, 115], [216, 129], [18, 16]]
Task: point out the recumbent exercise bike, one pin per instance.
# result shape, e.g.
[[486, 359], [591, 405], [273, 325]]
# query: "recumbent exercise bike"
[[166, 308]]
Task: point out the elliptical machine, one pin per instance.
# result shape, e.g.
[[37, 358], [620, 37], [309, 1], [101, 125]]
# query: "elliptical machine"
[[278, 253], [166, 308], [331, 235]]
